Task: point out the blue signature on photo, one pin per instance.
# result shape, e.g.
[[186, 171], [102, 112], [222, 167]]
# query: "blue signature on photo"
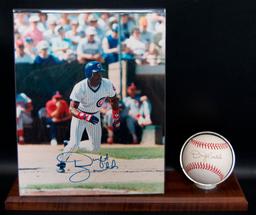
[[83, 164]]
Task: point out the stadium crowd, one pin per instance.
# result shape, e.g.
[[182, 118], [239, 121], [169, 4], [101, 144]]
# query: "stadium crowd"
[[51, 38]]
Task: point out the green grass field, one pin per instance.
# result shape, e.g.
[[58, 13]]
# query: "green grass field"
[[134, 152], [136, 187]]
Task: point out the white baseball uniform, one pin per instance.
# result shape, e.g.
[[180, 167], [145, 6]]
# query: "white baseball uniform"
[[90, 101], [22, 116]]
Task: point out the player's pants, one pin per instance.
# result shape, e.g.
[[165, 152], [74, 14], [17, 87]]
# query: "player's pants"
[[145, 108], [107, 118], [23, 118], [76, 131]]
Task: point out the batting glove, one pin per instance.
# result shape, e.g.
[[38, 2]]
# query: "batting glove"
[[88, 117]]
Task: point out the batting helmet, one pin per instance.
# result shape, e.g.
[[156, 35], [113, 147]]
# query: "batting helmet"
[[91, 67]]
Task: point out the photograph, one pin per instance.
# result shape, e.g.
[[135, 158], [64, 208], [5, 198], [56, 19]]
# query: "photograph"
[[90, 101]]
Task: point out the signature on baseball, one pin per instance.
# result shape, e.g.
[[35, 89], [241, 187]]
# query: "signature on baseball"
[[205, 156]]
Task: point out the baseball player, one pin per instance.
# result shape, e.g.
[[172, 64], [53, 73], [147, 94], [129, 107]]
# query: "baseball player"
[[24, 108], [87, 97]]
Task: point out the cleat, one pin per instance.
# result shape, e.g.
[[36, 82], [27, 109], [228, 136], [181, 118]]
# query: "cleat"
[[65, 143], [59, 170], [61, 167], [54, 142]]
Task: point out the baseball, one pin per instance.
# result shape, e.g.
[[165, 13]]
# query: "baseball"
[[207, 159]]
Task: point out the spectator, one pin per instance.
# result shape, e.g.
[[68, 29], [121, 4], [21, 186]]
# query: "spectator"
[[65, 22], [89, 49], [93, 22], [127, 24], [145, 35], [42, 24], [138, 48], [111, 21], [154, 19], [24, 108], [21, 24], [20, 55], [30, 47], [162, 41], [162, 49], [160, 24], [159, 29], [81, 35], [43, 57], [103, 21], [138, 109], [50, 34], [83, 21], [33, 30], [110, 46], [17, 36], [153, 55], [61, 45], [73, 35], [58, 114]]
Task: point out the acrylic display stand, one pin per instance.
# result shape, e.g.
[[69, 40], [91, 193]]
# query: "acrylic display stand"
[[180, 195]]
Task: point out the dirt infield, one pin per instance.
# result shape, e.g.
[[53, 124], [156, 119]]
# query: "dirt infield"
[[37, 166]]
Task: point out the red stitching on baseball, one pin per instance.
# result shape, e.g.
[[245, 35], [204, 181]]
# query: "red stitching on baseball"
[[205, 166], [205, 145]]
